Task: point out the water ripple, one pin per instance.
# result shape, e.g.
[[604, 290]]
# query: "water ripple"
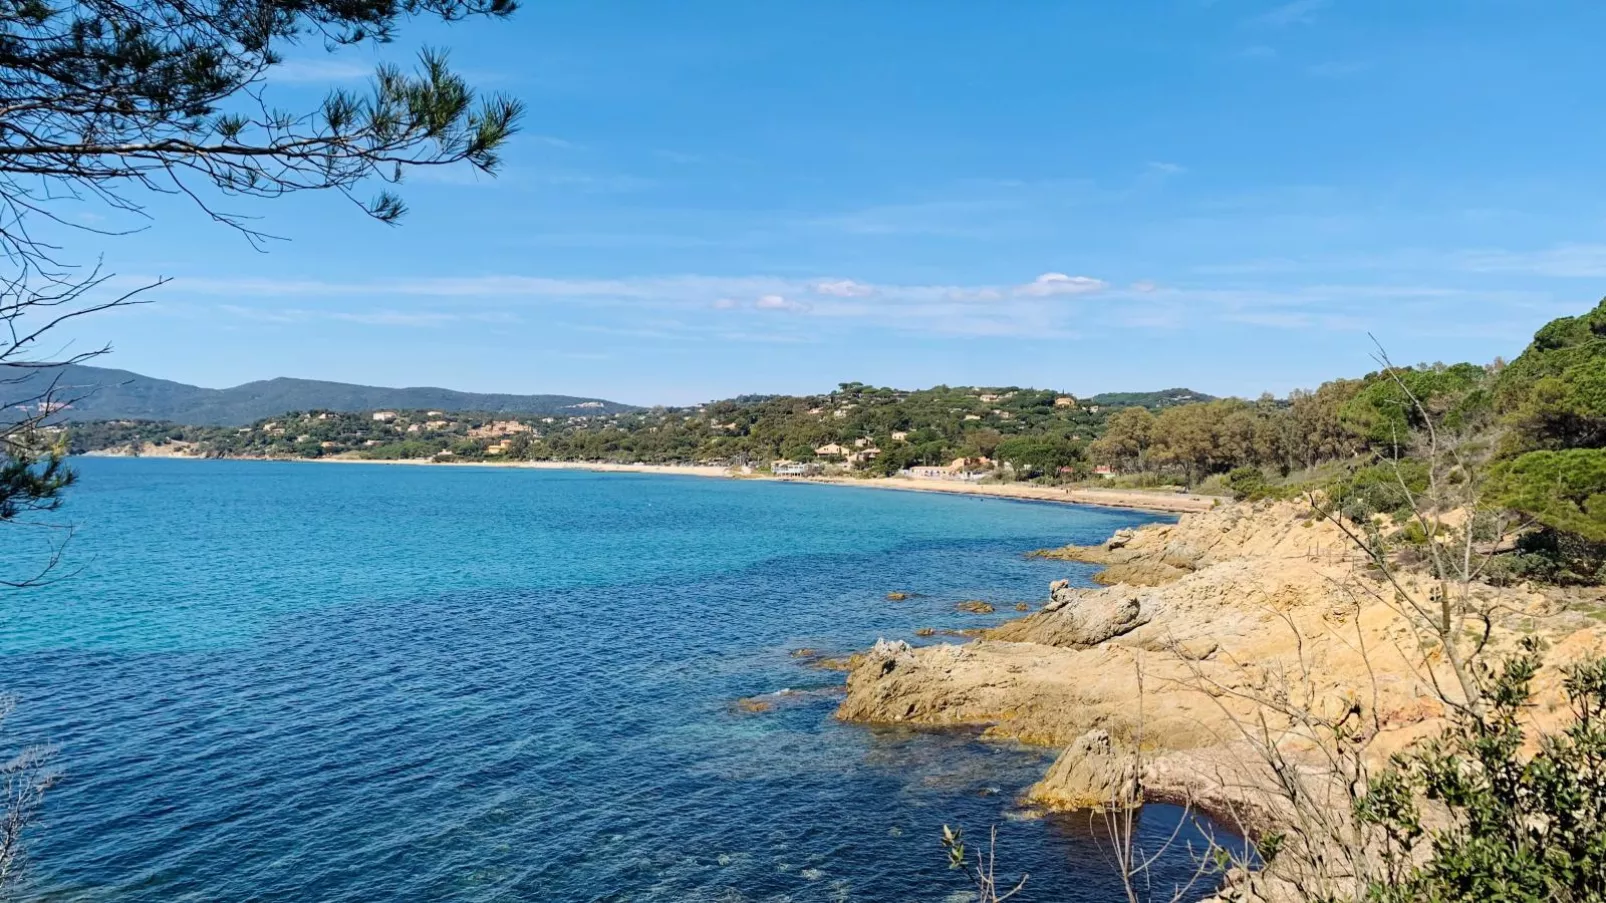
[[300, 683]]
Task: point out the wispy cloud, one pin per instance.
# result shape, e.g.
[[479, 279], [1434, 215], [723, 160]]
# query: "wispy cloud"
[[318, 69], [779, 302], [843, 288], [1296, 12], [1050, 284], [704, 308], [415, 318], [1338, 68], [1570, 261]]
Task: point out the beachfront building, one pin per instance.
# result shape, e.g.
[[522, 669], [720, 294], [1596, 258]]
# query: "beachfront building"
[[785, 468]]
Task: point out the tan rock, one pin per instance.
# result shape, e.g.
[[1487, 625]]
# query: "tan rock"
[[1259, 599], [1094, 772]]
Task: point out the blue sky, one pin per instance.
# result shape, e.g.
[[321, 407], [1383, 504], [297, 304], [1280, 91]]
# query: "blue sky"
[[718, 198]]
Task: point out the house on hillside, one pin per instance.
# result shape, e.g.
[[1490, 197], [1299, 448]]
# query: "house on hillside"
[[384, 416], [831, 450], [900, 436], [1065, 401], [496, 429], [864, 455]]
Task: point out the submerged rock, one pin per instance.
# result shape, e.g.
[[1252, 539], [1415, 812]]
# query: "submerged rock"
[[838, 663], [897, 596], [975, 607]]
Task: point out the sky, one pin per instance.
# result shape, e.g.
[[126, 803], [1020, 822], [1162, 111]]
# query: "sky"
[[717, 198]]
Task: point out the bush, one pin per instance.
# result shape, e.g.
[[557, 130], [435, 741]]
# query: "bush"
[[1564, 490], [1513, 826], [1246, 483], [1378, 489], [1551, 556]]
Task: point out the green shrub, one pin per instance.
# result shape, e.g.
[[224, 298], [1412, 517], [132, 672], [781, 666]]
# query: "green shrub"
[[1564, 490], [1378, 489], [1246, 483], [1512, 826], [1551, 556]]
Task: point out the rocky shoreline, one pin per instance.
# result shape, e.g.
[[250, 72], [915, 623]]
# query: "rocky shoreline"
[[1197, 620]]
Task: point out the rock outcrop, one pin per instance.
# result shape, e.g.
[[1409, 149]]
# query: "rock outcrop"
[[1094, 772], [1237, 604]]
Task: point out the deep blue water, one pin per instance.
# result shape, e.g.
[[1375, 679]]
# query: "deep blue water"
[[293, 682]]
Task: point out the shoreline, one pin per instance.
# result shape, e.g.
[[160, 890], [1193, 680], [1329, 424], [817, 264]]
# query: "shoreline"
[[1124, 499]]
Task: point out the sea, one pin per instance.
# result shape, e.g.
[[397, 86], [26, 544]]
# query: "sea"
[[275, 681]]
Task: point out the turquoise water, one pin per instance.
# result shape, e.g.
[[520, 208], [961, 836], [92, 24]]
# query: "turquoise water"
[[294, 682]]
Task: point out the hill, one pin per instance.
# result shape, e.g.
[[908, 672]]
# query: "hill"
[[1165, 398], [97, 393]]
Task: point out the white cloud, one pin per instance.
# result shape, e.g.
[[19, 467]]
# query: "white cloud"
[[779, 302], [1060, 284], [844, 288], [1144, 285], [726, 304], [1159, 167]]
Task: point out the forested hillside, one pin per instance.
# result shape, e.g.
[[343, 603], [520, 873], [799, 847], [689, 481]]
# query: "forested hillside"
[[872, 429], [1532, 430], [97, 393]]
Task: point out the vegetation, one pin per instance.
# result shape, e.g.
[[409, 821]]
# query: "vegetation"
[[1493, 808], [1040, 433], [1511, 825]]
